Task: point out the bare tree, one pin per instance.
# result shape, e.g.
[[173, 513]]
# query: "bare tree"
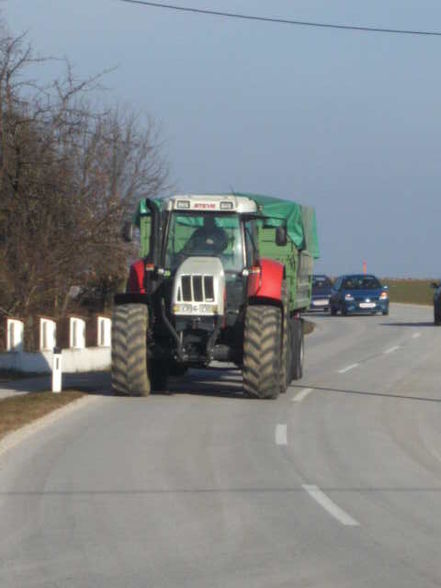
[[69, 175]]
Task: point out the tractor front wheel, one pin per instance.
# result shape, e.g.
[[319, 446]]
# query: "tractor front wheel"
[[129, 350]]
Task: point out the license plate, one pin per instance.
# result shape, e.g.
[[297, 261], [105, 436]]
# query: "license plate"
[[320, 302], [367, 304]]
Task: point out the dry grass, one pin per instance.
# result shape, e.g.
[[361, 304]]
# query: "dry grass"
[[17, 411], [410, 291]]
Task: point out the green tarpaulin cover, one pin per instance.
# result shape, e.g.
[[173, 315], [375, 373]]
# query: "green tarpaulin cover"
[[300, 220]]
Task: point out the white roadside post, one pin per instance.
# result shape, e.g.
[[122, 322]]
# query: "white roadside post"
[[56, 370]]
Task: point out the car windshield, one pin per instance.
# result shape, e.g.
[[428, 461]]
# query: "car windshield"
[[361, 283], [321, 283], [204, 235]]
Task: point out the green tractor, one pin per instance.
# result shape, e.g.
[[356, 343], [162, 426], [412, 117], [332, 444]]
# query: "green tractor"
[[222, 278]]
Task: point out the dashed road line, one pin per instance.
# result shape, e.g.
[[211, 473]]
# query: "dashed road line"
[[333, 509], [348, 368], [391, 349], [281, 435], [301, 395]]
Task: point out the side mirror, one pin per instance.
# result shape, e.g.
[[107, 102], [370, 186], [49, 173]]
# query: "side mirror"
[[127, 232], [281, 237]]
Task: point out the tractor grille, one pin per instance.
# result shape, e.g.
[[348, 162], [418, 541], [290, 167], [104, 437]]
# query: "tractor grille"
[[196, 288]]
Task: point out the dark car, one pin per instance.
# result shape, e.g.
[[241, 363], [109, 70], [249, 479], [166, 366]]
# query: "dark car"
[[321, 292], [359, 294], [437, 303]]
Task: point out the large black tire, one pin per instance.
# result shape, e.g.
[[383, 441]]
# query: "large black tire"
[[291, 346], [129, 350], [436, 316], [297, 349], [333, 310], [262, 351]]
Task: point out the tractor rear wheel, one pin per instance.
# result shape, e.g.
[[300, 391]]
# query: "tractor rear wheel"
[[129, 350], [262, 351]]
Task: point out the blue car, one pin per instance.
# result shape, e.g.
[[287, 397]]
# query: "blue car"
[[321, 292], [359, 294]]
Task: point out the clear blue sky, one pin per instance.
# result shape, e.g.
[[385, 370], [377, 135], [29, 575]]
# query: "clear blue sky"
[[348, 122]]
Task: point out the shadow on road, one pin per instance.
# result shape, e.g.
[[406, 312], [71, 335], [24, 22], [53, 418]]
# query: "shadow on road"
[[95, 383], [221, 383], [366, 393], [415, 324]]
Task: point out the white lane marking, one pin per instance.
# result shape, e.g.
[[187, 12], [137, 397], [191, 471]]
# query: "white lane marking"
[[416, 335], [301, 395], [330, 506], [391, 349], [281, 435], [348, 368]]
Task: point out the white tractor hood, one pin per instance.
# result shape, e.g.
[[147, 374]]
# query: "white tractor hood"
[[199, 287]]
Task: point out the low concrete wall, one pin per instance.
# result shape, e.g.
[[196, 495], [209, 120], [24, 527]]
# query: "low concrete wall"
[[73, 360]]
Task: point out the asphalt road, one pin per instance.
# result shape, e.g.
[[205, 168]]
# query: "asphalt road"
[[336, 483]]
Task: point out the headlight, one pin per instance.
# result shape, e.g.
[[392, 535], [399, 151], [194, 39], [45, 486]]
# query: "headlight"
[[384, 296], [349, 297]]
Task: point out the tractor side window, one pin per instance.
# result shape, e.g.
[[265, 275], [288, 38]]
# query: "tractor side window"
[[145, 226]]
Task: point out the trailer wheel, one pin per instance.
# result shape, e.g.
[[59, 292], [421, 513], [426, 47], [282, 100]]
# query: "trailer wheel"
[[129, 350], [291, 346], [285, 371], [158, 371], [262, 351], [298, 349], [177, 369]]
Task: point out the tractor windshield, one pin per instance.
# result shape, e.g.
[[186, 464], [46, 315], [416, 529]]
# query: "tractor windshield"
[[204, 235]]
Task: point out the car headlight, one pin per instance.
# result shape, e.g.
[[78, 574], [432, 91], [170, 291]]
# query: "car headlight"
[[384, 296], [349, 297]]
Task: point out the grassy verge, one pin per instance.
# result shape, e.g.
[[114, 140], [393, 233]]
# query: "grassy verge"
[[410, 291], [17, 411]]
